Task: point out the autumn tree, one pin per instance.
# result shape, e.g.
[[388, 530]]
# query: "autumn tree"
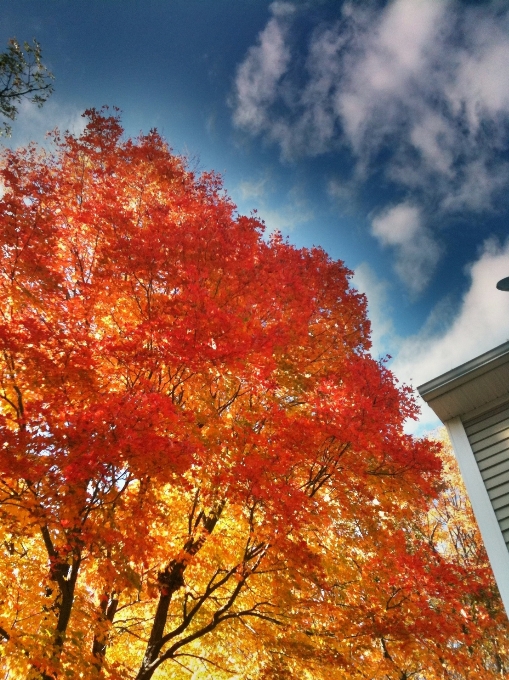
[[451, 528], [22, 76], [203, 470]]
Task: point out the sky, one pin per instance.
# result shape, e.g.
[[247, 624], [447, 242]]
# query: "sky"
[[378, 130]]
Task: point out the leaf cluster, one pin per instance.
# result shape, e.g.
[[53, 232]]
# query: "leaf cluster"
[[22, 75]]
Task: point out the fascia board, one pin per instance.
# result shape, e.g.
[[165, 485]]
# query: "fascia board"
[[465, 372], [469, 386]]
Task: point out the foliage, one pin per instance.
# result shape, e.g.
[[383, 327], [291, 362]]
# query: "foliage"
[[22, 75], [452, 530], [203, 471]]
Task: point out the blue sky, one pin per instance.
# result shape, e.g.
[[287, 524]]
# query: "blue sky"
[[377, 130]]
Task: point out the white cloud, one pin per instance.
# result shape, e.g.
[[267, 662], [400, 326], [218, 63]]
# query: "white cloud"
[[398, 226], [388, 57], [260, 73], [480, 85], [401, 227], [432, 137], [481, 323], [425, 81], [254, 188], [452, 334], [32, 123]]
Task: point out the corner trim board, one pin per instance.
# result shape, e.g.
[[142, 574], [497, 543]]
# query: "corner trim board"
[[496, 548]]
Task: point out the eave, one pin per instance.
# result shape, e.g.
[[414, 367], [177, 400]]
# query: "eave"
[[468, 388]]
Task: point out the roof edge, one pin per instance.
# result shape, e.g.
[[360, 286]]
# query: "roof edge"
[[464, 372]]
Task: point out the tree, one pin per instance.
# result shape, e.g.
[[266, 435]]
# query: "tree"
[[22, 75], [203, 470], [451, 528]]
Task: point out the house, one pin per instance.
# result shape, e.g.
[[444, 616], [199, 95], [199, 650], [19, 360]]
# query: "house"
[[472, 401]]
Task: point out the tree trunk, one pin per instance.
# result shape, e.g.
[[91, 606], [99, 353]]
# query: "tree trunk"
[[65, 575], [170, 580]]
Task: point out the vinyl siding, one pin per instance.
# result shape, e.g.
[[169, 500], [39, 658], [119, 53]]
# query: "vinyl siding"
[[488, 435]]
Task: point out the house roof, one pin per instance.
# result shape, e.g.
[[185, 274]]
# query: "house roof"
[[469, 388]]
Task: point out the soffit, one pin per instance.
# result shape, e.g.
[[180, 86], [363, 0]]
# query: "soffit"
[[470, 386]]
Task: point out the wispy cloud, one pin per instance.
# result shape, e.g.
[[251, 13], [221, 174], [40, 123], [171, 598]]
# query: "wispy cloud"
[[417, 88], [254, 188], [401, 227], [452, 334], [383, 336], [290, 213], [260, 73], [480, 323], [343, 193], [33, 124], [285, 218]]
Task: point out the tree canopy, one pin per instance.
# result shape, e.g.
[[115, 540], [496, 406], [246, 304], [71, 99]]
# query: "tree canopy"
[[203, 471], [22, 76]]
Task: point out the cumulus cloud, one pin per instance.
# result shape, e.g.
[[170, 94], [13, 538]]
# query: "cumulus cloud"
[[401, 228], [424, 83], [480, 323]]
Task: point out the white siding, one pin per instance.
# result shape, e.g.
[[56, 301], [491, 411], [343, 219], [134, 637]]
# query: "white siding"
[[491, 513], [472, 401], [488, 435]]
